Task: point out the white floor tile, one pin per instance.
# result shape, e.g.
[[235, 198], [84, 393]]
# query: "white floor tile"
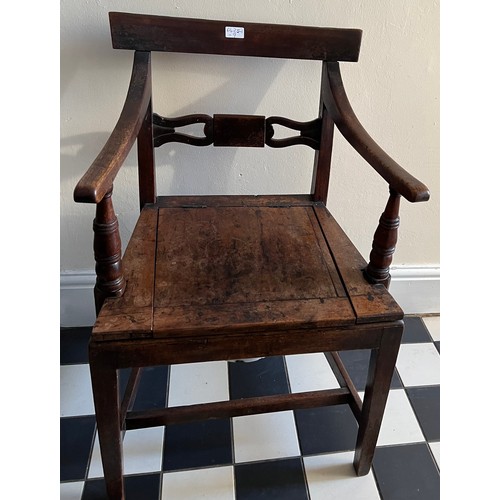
[[418, 364], [76, 391], [71, 491], [432, 324], [436, 451], [333, 476], [399, 424], [266, 436], [198, 383], [310, 372], [142, 450], [207, 484]]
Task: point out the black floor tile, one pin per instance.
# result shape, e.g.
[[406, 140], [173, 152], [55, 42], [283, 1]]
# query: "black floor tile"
[[264, 377], [76, 437], [277, 479], [94, 489], [415, 331], [123, 376], [140, 487], [328, 429], [152, 391], [426, 403], [356, 363], [438, 345], [197, 444], [406, 472], [73, 345]]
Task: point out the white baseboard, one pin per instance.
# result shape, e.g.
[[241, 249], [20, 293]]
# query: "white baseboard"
[[416, 289], [77, 299]]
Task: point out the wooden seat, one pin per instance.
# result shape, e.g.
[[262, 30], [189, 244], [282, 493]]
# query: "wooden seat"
[[233, 277]]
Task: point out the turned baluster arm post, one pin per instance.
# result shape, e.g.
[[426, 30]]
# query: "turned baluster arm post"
[[110, 281], [384, 242]]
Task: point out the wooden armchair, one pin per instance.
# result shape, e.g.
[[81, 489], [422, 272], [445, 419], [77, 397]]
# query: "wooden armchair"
[[232, 277]]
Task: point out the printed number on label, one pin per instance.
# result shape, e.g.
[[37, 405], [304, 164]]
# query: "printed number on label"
[[235, 32]]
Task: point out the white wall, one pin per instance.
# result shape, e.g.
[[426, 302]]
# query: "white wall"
[[394, 89]]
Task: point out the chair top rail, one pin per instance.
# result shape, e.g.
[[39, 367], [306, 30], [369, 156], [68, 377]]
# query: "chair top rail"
[[172, 34]]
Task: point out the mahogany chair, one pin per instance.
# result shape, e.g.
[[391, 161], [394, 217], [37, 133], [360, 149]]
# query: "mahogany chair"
[[232, 277]]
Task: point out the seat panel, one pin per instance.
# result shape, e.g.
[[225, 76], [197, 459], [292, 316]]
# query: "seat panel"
[[223, 264], [227, 255], [233, 268]]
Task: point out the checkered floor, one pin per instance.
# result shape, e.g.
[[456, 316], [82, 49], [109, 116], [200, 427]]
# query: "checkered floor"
[[304, 454]]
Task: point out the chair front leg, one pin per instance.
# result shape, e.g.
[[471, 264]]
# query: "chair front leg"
[[382, 364], [107, 410]]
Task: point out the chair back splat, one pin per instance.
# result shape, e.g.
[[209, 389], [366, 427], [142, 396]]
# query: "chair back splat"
[[206, 278]]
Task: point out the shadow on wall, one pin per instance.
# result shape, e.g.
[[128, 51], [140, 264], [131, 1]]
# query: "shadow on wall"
[[245, 83]]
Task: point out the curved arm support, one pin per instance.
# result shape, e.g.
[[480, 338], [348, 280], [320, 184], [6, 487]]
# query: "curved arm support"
[[98, 179], [337, 103]]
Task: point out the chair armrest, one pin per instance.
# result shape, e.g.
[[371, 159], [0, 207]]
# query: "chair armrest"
[[336, 102], [98, 179]]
